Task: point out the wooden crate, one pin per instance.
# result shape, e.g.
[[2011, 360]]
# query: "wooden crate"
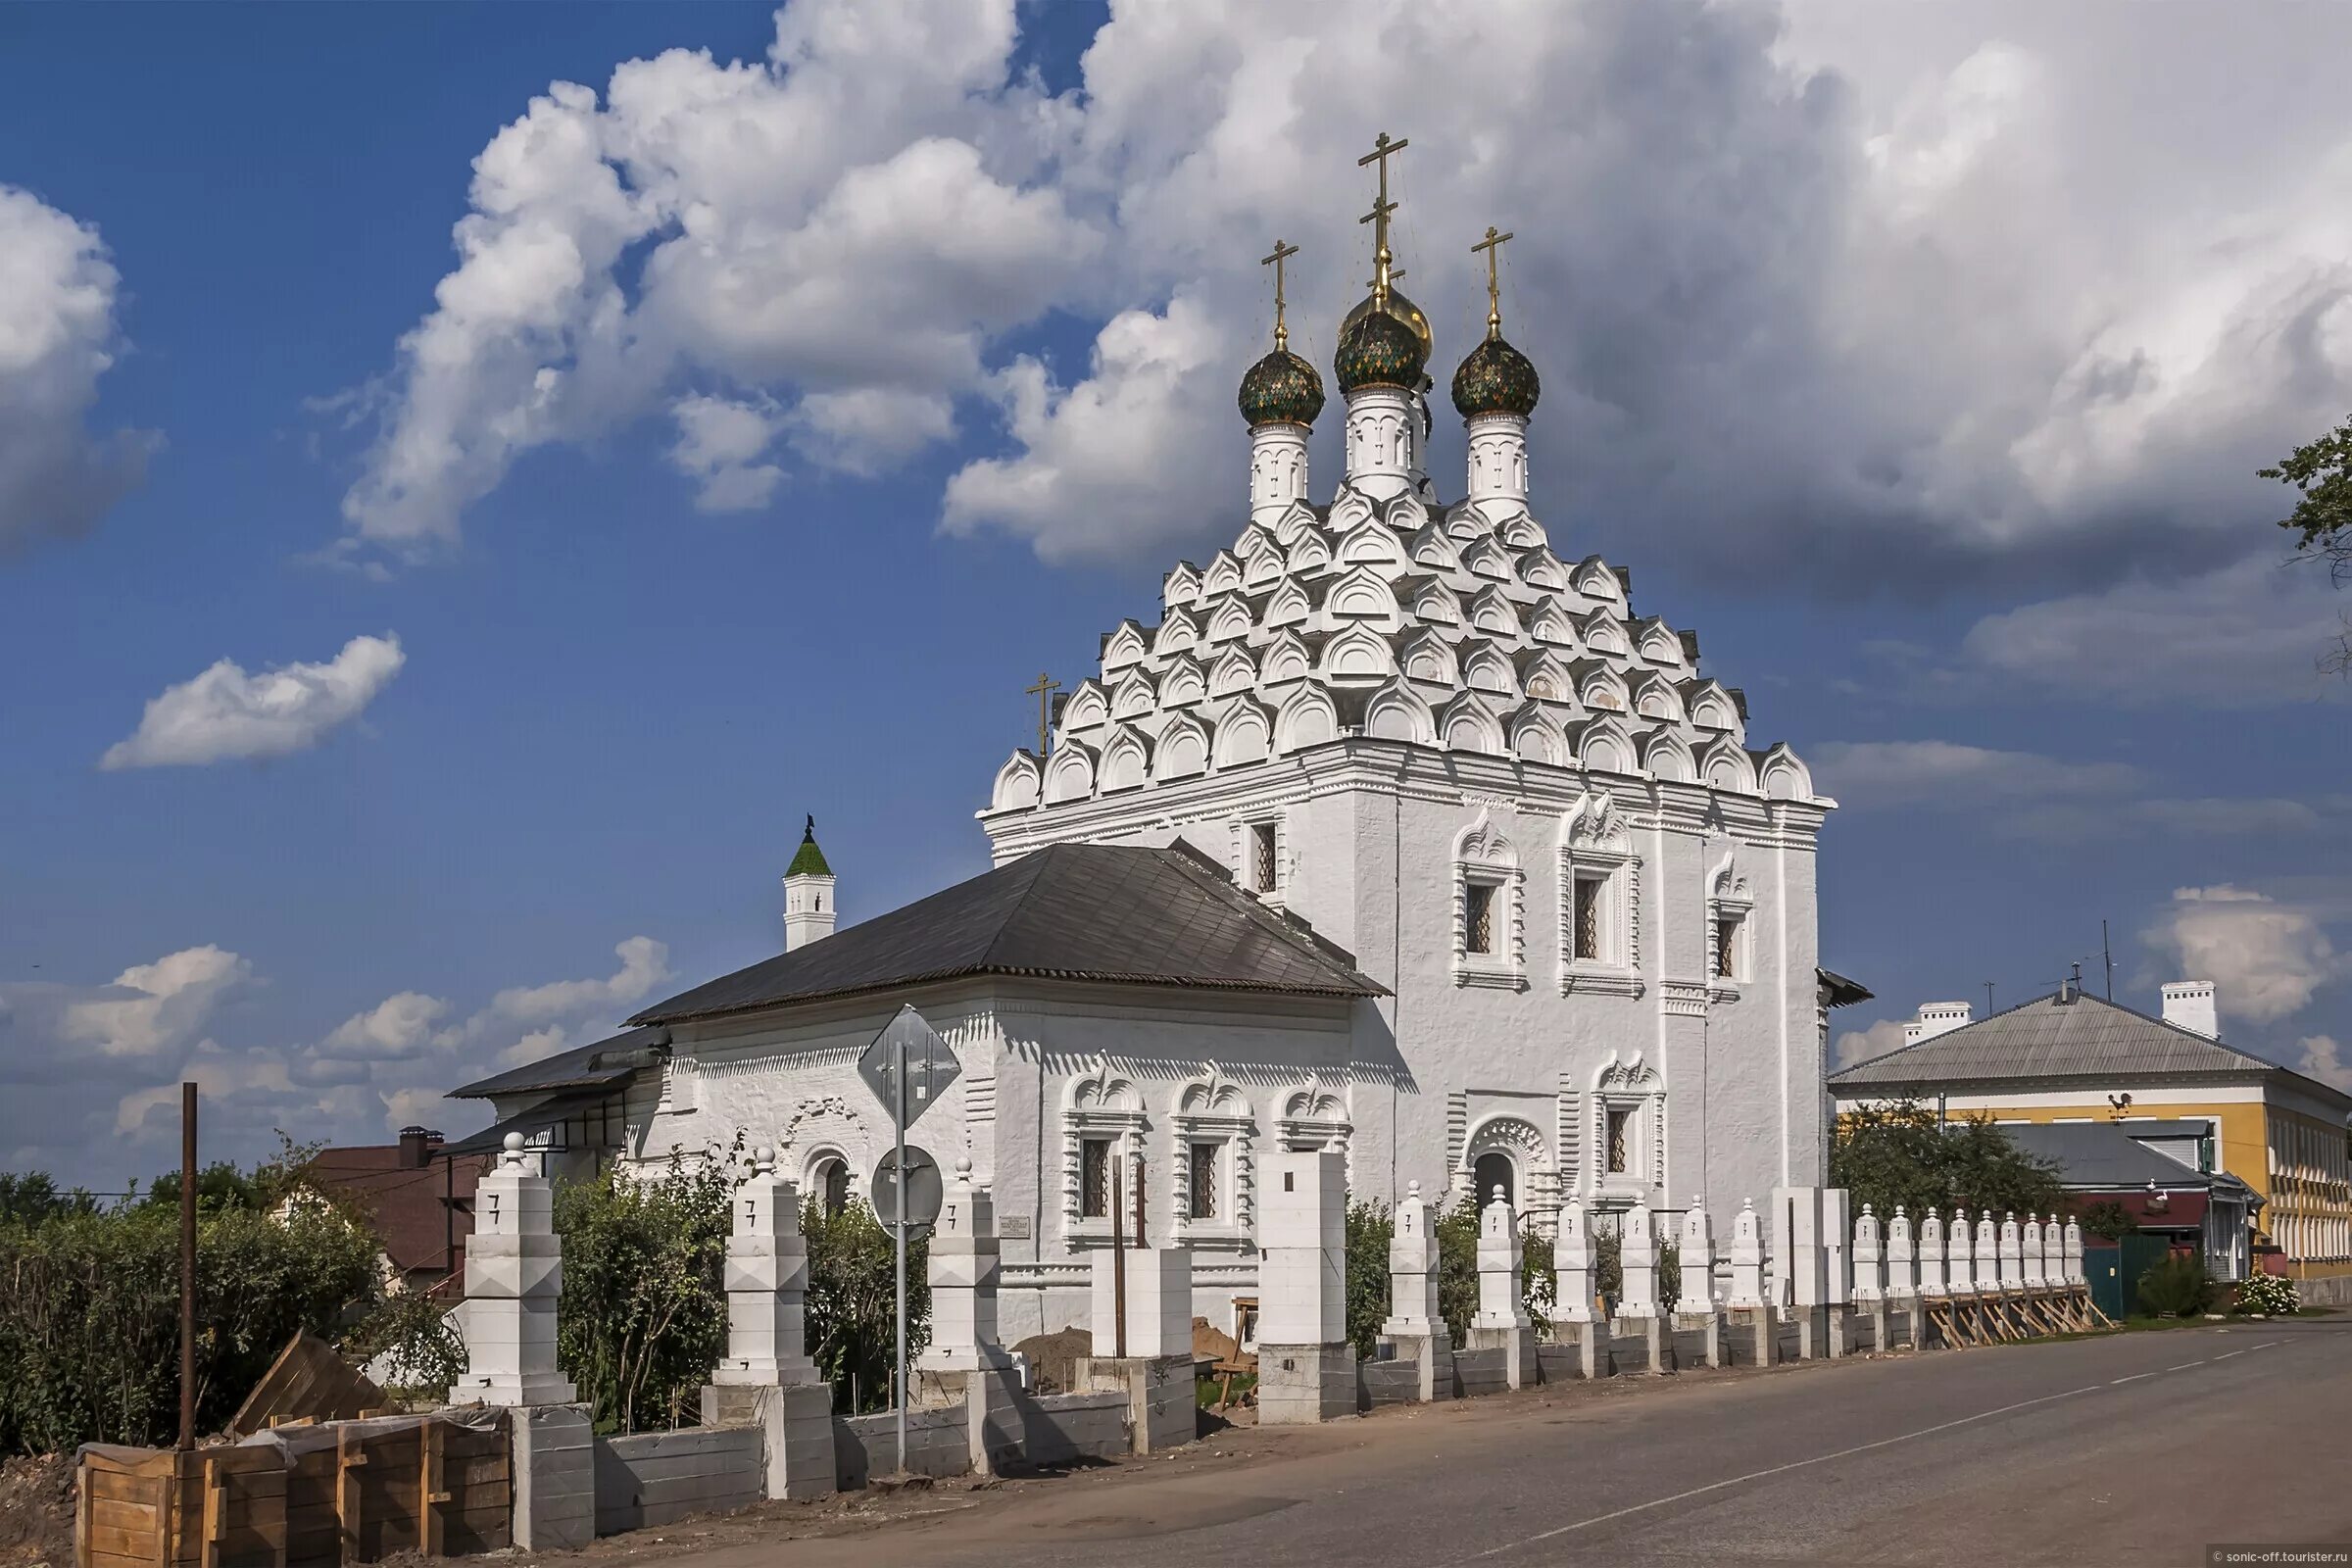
[[346, 1492]]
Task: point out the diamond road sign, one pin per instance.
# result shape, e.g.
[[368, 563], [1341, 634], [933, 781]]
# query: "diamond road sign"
[[930, 1065]]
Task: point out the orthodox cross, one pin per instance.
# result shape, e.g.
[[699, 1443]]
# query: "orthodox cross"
[[1378, 217], [1282, 253], [1044, 692], [1493, 246]]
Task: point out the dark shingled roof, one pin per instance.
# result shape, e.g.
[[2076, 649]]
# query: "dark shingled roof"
[[2084, 1038], [598, 1065], [1068, 911]]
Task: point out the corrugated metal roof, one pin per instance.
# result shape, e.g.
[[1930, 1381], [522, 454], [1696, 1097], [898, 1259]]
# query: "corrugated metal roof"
[[1072, 911], [2105, 1157], [2084, 1038]]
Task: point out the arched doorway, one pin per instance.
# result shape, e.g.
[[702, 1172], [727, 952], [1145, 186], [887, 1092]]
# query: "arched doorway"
[[1494, 1169], [830, 1180]]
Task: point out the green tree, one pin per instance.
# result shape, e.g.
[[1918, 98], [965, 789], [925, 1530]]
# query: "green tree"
[[2321, 470], [1902, 1153], [1456, 1230], [2106, 1218]]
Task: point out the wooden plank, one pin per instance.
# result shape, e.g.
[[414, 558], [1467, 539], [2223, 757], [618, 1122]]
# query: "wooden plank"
[[308, 1378], [348, 1460], [138, 1544], [107, 1511], [114, 1560], [429, 1496], [209, 1553]]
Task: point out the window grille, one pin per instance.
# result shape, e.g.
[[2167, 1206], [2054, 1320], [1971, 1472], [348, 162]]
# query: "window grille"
[[1588, 917], [1621, 1124], [1205, 1181], [1478, 918], [1261, 843], [1094, 1178], [1727, 947]]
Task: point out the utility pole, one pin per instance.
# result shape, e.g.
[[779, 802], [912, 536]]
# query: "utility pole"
[[900, 1190], [187, 1265], [2107, 953]]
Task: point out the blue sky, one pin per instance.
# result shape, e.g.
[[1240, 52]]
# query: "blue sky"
[[1919, 370]]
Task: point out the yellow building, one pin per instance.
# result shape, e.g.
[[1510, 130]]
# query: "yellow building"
[[2070, 1057]]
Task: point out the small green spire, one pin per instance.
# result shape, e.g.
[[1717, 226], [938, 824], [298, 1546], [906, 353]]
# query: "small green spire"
[[810, 861]]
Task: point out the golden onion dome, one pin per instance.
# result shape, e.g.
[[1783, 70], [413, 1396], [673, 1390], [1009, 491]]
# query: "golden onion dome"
[[1403, 310]]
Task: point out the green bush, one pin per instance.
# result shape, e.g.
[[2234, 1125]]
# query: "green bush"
[[418, 1339], [642, 1315], [89, 1302], [852, 1291], [1370, 1229], [2174, 1286]]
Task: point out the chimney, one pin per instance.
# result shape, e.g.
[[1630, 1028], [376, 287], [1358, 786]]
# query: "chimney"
[[417, 1147], [1936, 1018], [2188, 1005]]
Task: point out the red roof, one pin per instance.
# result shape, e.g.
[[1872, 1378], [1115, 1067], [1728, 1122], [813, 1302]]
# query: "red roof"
[[411, 1206]]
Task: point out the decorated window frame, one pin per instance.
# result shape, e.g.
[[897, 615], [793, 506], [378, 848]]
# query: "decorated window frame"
[[1261, 856], [1731, 931], [1213, 1110], [1631, 1087], [1488, 878], [1101, 1102], [1597, 849], [1314, 1116]]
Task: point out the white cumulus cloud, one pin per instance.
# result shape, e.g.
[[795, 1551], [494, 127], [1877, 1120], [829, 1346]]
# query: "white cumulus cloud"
[[720, 445], [1861, 1044], [155, 1009], [400, 1025], [59, 334], [226, 713], [2323, 1058], [2265, 958]]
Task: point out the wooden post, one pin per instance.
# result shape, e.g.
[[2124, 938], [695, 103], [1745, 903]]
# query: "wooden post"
[[187, 1265], [349, 1456], [430, 1494]]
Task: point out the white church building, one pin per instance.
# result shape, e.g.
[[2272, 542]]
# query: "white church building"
[[1392, 826]]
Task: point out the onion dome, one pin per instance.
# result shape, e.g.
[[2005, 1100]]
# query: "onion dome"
[[1403, 310], [1382, 348], [1496, 379], [1281, 389]]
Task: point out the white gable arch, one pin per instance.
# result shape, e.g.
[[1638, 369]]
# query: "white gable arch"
[[1181, 750], [1468, 728], [1534, 738], [1307, 720], [1070, 776], [1182, 683], [1126, 761], [1357, 653], [1363, 594], [1243, 735], [1668, 759], [1286, 659], [1397, 715], [1727, 768], [1786, 778], [1018, 783], [1086, 709], [1605, 749]]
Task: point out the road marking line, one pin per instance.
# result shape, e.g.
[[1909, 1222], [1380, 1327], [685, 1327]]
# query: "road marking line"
[[2183, 1366], [2133, 1377], [2226, 1354], [1780, 1469]]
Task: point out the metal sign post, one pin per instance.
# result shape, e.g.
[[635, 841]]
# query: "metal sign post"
[[906, 1047]]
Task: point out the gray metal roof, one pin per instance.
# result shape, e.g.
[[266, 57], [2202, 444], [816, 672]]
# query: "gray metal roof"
[[2103, 1156], [1068, 911], [2084, 1038], [592, 1067]]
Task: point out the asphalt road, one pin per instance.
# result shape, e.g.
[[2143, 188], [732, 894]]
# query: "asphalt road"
[[2139, 1450]]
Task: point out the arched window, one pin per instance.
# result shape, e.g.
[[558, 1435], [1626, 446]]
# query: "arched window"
[[831, 1183]]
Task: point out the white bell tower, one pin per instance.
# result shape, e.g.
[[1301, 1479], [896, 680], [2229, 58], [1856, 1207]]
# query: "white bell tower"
[[809, 910]]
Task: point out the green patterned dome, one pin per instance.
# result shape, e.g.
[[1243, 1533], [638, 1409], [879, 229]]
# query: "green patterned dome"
[[1281, 389], [1496, 379], [1379, 348]]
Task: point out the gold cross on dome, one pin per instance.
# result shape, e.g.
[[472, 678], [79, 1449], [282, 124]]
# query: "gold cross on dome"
[[1044, 692], [1282, 253], [1382, 150], [1493, 246]]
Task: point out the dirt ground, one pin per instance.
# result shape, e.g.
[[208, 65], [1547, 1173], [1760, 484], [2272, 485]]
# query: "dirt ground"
[[36, 1511]]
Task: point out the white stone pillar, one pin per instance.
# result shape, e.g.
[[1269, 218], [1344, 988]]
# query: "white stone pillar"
[[2029, 1254], [1277, 470], [1747, 1258], [2053, 1254], [1638, 1263], [514, 1276], [1305, 1366], [1870, 1276], [1959, 1256], [1931, 1257], [766, 1376], [1502, 1322], [1414, 1325], [1498, 477], [1384, 441], [2072, 1252], [1902, 1261], [1571, 1265], [1987, 1249], [1836, 1265], [1697, 1295], [1159, 1303], [766, 1276]]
